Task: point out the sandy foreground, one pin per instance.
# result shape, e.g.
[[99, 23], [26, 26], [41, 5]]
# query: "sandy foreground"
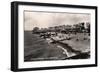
[[38, 49]]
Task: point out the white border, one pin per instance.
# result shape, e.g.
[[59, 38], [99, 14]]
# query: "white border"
[[22, 64]]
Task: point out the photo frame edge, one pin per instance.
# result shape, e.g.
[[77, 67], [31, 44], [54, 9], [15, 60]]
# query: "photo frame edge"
[[14, 37]]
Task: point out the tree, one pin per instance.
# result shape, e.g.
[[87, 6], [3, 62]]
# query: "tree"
[[35, 30], [88, 27], [76, 27], [82, 26]]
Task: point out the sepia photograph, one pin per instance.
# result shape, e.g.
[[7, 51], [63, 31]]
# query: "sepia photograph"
[[52, 36], [56, 36]]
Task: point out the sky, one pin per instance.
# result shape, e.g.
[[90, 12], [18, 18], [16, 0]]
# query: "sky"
[[49, 19]]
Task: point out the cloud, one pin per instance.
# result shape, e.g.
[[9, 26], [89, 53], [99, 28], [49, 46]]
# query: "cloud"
[[48, 19]]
